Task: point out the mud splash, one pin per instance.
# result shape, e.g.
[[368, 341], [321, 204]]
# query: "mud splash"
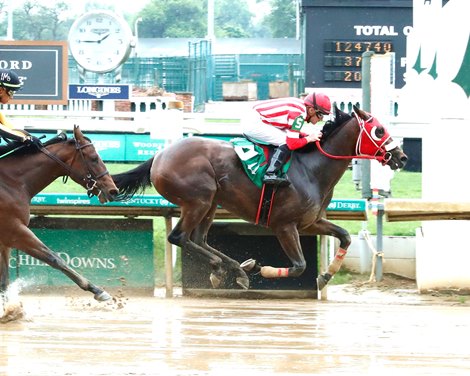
[[12, 312]]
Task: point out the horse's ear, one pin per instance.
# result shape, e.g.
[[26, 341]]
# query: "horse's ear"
[[363, 115], [335, 109], [338, 113], [340, 116], [77, 133]]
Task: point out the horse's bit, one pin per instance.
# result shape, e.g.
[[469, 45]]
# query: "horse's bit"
[[90, 178]]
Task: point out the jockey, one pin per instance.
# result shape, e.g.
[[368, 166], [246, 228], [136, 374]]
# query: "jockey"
[[281, 123], [9, 83]]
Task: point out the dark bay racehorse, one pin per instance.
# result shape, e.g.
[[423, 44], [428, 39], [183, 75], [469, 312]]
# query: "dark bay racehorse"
[[198, 174], [26, 172]]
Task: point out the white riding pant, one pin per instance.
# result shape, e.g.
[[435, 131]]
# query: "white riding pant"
[[253, 127]]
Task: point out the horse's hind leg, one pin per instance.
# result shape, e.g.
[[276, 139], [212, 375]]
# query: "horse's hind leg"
[[182, 239], [187, 234], [31, 245], [199, 236]]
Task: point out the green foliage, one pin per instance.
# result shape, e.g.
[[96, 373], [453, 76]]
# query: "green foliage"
[[160, 19], [188, 18], [34, 21], [231, 31], [3, 18], [282, 19], [173, 19], [232, 19]]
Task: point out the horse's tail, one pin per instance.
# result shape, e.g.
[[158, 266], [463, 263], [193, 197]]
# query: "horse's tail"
[[133, 181]]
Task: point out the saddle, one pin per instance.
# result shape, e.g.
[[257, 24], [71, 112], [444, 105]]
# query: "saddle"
[[254, 156]]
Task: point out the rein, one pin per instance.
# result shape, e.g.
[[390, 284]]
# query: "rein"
[[89, 179], [382, 153], [11, 151]]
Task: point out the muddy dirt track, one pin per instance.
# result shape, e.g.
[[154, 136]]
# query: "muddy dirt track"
[[358, 331]]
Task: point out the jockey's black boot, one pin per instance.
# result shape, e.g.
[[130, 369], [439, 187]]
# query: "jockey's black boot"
[[277, 161]]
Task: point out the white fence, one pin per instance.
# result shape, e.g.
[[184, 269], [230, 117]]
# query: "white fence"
[[218, 118], [64, 117]]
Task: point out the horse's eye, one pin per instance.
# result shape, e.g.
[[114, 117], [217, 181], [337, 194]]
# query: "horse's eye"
[[377, 133]]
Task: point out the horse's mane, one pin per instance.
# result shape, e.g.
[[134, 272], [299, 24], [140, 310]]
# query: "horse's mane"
[[33, 149], [330, 128]]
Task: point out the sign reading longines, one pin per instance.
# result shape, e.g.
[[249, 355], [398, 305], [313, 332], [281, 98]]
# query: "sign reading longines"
[[43, 68]]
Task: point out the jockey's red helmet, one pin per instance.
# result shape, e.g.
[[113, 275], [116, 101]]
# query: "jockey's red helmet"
[[319, 101]]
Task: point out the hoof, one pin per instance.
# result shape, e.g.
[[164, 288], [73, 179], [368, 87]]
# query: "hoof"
[[243, 282], [102, 296], [322, 280], [250, 266], [215, 281]]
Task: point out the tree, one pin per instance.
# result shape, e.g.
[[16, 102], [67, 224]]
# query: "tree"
[[188, 18], [160, 19], [38, 22], [172, 19], [282, 20], [232, 19], [3, 18]]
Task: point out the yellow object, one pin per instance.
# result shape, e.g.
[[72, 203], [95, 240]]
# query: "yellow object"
[[7, 127], [175, 104], [5, 122]]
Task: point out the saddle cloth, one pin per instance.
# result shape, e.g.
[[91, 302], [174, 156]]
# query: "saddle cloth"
[[255, 157]]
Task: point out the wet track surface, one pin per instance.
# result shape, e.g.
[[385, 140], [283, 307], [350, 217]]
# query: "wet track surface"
[[405, 335]]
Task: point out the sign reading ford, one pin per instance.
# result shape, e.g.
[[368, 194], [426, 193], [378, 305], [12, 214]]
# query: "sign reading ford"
[[42, 67]]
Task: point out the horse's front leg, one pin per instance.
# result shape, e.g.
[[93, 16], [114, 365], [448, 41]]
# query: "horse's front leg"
[[325, 227], [289, 239], [4, 274], [27, 242]]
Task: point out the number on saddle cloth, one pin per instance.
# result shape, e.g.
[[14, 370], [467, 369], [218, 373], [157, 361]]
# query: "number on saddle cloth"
[[255, 157]]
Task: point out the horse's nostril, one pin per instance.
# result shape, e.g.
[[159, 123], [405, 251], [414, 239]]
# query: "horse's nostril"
[[404, 159]]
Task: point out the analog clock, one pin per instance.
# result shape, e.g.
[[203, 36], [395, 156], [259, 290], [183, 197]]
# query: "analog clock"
[[100, 41]]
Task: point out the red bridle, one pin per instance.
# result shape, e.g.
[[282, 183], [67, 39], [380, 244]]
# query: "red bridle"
[[368, 144]]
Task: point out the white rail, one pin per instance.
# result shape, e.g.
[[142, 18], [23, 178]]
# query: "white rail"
[[218, 118]]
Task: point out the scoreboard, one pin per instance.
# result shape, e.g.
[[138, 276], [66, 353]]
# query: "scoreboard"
[[337, 33], [343, 59]]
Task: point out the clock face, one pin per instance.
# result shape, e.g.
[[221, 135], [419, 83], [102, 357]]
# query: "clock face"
[[100, 41]]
